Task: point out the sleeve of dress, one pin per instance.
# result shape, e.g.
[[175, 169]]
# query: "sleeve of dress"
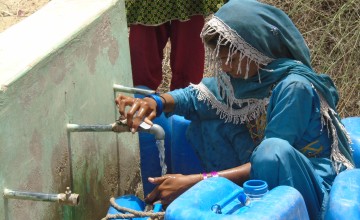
[[290, 110], [186, 103]]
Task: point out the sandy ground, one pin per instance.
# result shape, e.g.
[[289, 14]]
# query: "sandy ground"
[[13, 11]]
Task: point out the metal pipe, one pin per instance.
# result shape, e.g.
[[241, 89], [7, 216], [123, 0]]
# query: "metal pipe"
[[66, 198], [88, 128], [121, 88], [119, 126]]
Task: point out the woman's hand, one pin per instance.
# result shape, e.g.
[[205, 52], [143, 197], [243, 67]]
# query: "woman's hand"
[[170, 186], [140, 110]]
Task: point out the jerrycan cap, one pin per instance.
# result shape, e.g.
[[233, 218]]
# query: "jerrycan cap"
[[255, 187]]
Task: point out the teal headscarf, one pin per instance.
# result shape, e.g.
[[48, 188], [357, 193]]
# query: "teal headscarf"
[[268, 37], [266, 28]]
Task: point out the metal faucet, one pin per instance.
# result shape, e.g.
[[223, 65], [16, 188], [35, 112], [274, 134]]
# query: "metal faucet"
[[67, 198], [119, 126]]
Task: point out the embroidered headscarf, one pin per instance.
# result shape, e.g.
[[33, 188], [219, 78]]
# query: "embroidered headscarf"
[[265, 34]]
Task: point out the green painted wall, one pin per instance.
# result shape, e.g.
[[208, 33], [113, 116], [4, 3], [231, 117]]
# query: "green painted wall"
[[57, 67]]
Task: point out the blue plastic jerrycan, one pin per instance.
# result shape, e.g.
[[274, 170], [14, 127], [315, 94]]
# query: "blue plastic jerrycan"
[[352, 125], [344, 199], [183, 157], [219, 198]]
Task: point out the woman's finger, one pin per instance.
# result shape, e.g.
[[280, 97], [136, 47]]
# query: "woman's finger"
[[148, 121], [152, 196], [152, 114], [140, 115], [166, 200], [133, 111], [123, 101], [160, 179], [133, 118]]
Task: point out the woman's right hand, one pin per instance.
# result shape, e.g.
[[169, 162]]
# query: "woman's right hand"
[[170, 186], [140, 110]]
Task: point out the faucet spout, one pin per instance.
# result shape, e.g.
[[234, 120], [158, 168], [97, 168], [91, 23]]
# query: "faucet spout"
[[156, 130]]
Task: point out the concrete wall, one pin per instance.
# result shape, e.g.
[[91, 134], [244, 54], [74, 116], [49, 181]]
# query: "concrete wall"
[[58, 67]]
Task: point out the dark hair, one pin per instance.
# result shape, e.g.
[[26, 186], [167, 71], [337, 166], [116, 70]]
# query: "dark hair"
[[211, 40]]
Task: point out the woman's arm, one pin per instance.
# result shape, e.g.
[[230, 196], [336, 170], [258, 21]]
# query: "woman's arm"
[[170, 186], [238, 174]]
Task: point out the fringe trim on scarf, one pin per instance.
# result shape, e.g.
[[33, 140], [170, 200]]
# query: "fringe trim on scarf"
[[249, 109], [237, 44], [328, 114]]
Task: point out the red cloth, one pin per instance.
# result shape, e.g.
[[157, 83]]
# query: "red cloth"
[[186, 57]]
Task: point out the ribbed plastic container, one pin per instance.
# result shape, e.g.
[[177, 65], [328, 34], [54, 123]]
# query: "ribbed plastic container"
[[183, 158], [149, 153], [352, 125], [282, 202], [344, 201], [134, 203]]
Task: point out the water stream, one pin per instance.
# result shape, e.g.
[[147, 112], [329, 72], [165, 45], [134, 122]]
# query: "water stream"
[[161, 148]]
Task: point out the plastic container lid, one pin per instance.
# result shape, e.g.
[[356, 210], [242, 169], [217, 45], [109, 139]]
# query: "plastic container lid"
[[255, 187]]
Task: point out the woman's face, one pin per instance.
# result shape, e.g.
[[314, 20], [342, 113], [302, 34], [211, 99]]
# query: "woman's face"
[[232, 66]]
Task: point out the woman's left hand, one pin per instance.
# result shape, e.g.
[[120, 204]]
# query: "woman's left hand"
[[170, 186]]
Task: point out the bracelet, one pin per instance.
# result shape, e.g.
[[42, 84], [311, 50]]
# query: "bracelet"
[[159, 104], [204, 176], [163, 99], [214, 174]]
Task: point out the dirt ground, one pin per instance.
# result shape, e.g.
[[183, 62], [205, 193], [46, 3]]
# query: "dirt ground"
[[13, 11]]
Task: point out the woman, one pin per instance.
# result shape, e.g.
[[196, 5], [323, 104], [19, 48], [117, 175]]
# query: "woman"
[[152, 24], [264, 115]]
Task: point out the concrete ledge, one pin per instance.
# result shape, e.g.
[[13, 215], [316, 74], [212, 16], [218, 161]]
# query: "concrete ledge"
[[28, 42]]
